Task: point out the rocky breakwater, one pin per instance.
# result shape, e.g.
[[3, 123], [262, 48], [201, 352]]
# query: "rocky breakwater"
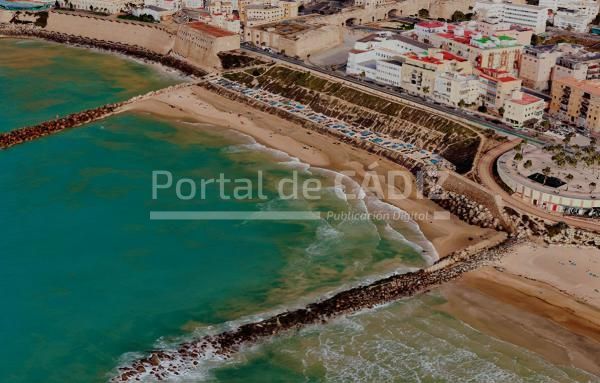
[[168, 364], [458, 204], [552, 234], [18, 136], [129, 50]]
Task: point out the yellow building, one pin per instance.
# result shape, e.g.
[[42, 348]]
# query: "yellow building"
[[577, 102], [263, 14], [419, 71]]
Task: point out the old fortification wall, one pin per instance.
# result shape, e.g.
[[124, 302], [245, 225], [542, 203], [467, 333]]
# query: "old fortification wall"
[[145, 35], [445, 8]]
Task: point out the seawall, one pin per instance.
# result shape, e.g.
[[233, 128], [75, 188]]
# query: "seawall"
[[149, 36], [130, 50]]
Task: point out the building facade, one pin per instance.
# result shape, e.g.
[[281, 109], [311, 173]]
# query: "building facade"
[[497, 86], [538, 64], [577, 102], [529, 16], [200, 43], [498, 52], [457, 89], [523, 110]]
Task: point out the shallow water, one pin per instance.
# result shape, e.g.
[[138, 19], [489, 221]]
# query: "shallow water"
[[41, 80], [91, 277], [88, 281]]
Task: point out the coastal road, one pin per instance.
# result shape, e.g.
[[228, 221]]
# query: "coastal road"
[[452, 112], [485, 170]]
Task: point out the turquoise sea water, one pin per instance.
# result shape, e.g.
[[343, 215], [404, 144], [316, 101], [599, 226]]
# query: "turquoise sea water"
[[88, 281], [40, 81]]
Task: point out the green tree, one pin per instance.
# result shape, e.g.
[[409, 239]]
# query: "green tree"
[[518, 157], [546, 172], [536, 40], [424, 12], [501, 111], [458, 16], [528, 164], [592, 186], [569, 178]]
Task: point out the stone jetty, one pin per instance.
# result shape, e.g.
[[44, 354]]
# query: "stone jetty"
[[168, 364], [129, 50], [19, 136]]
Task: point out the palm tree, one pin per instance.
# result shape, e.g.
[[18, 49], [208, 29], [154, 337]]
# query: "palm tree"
[[592, 186], [518, 157], [546, 172], [569, 178], [528, 164]]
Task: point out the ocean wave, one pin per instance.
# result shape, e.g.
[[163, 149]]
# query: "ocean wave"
[[326, 237], [280, 156]]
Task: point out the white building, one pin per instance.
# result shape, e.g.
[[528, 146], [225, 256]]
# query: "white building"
[[457, 89], [572, 14], [104, 6], [226, 22], [193, 3], [155, 12], [369, 50], [168, 5], [589, 8], [571, 20], [389, 72], [523, 110], [529, 16]]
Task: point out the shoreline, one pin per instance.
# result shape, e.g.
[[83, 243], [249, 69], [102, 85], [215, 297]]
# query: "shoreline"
[[164, 364], [446, 236], [183, 67], [159, 67], [197, 104], [546, 303]]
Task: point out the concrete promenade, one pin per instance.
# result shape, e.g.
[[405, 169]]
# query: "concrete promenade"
[[485, 170]]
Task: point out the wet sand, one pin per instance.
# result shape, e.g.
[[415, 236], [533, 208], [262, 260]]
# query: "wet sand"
[[500, 303], [543, 298], [195, 103]]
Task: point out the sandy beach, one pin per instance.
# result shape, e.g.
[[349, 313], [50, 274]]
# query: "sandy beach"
[[546, 299], [195, 103]]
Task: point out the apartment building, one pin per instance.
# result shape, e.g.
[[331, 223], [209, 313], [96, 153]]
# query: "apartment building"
[[497, 86], [523, 110], [571, 20], [588, 8], [577, 102], [529, 16], [582, 65], [538, 63], [419, 71], [457, 89], [498, 52], [274, 11]]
